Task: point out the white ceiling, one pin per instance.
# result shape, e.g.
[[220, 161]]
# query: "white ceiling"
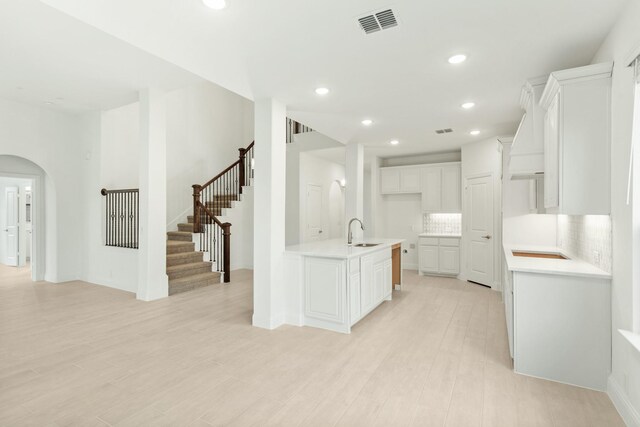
[[50, 57], [399, 77]]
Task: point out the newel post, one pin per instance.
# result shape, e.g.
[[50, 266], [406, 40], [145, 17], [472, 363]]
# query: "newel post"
[[226, 234], [196, 208], [242, 152]]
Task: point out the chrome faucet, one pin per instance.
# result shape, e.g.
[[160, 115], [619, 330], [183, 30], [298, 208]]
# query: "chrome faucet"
[[350, 237]]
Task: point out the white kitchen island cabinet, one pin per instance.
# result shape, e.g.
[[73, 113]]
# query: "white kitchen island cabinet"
[[332, 286]]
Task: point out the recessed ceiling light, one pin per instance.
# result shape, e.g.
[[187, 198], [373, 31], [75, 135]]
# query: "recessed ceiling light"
[[215, 4], [457, 59], [475, 132], [394, 142], [48, 102], [322, 91], [468, 105], [367, 122]]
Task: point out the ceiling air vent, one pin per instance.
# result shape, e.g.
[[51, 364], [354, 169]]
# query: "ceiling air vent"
[[378, 21], [441, 131]]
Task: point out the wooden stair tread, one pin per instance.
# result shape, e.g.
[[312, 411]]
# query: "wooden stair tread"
[[189, 266], [195, 278]]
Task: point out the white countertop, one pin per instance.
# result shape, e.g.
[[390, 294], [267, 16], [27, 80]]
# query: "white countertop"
[[338, 248], [455, 236], [564, 267]]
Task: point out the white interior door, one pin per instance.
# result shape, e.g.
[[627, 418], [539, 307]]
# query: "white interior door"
[[314, 212], [11, 227], [480, 222], [336, 211]]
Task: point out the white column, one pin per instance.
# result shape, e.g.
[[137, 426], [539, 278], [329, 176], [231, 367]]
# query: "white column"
[[269, 213], [354, 203], [152, 252]]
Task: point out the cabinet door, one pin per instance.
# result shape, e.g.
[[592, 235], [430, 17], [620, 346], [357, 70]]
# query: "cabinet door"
[[354, 298], [432, 189], [451, 194], [389, 181], [551, 154], [449, 262], [388, 277], [410, 180], [379, 282], [366, 284], [428, 259]]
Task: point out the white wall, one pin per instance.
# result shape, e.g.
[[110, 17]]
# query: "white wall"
[[479, 158], [401, 217], [419, 159], [206, 125], [109, 136], [519, 225], [317, 171], [625, 377], [52, 141]]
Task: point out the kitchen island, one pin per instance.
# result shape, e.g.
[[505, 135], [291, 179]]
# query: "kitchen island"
[[332, 285]]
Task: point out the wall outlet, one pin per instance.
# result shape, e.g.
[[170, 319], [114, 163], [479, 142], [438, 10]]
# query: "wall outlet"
[[596, 257], [412, 246]]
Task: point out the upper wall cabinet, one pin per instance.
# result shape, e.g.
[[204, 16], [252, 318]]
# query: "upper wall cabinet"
[[577, 140], [441, 188], [527, 151], [402, 179]]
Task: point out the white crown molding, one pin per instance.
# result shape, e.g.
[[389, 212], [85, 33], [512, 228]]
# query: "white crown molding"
[[572, 75]]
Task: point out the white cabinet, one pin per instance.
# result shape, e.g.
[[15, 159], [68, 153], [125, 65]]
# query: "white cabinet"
[[576, 140], [376, 278], [439, 255], [366, 284], [441, 189], [354, 290], [560, 327], [451, 193], [389, 180], [432, 189], [429, 258], [402, 179], [449, 260]]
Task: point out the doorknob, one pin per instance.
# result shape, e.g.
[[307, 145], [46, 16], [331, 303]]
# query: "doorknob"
[[486, 237]]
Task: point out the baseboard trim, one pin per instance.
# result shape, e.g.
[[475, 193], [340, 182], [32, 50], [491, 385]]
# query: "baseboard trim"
[[621, 402], [410, 266]]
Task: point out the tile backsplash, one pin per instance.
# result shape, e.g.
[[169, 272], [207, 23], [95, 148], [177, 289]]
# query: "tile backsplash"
[[586, 237], [449, 223]]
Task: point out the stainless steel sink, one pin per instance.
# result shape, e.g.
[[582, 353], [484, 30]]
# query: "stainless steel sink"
[[366, 245]]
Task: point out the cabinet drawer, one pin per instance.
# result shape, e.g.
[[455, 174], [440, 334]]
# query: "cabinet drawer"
[[428, 241], [449, 241]]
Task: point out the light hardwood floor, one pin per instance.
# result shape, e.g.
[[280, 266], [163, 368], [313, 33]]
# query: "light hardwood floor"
[[76, 354]]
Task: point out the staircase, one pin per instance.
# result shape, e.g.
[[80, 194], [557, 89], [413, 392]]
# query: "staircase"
[[198, 252]]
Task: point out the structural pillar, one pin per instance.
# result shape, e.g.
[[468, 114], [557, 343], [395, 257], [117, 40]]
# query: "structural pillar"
[[269, 213], [354, 197], [152, 252]]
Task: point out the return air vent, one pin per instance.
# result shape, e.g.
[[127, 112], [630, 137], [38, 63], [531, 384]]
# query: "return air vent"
[[441, 131], [378, 21]]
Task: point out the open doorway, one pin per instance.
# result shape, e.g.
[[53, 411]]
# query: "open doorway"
[[16, 225]]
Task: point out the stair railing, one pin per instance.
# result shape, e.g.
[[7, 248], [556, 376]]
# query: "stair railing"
[[122, 218], [208, 201]]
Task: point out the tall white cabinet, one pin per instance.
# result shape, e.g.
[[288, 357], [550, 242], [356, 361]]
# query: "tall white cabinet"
[[441, 190], [576, 140]]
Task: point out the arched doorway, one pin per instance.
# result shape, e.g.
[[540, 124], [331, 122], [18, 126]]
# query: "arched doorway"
[[25, 196]]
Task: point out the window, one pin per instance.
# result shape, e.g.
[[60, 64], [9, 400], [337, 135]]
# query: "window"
[[633, 196]]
